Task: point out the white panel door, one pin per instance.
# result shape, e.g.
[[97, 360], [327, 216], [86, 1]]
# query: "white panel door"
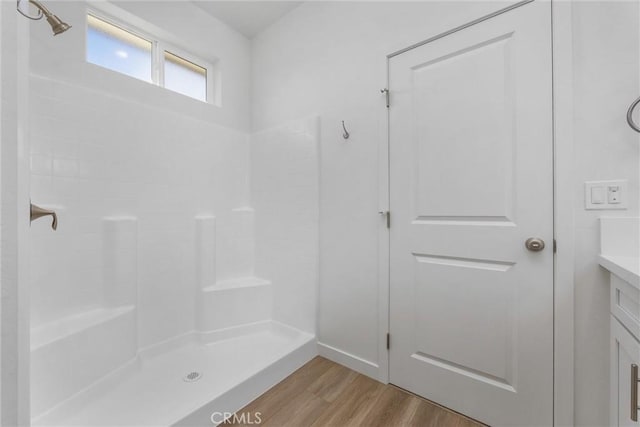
[[471, 179]]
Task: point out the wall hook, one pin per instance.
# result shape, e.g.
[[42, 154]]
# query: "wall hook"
[[346, 134]]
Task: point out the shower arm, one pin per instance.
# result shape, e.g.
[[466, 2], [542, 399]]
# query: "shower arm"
[[42, 10]]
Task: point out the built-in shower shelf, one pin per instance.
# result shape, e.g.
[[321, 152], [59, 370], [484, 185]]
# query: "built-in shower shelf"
[[235, 302], [242, 282], [59, 329]]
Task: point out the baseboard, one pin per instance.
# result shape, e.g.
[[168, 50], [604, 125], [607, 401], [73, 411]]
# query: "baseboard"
[[356, 363]]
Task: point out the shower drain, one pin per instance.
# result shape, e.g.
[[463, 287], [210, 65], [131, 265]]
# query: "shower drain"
[[192, 376]]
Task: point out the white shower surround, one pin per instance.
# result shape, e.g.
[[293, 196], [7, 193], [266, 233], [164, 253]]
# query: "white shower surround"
[[154, 257], [166, 251]]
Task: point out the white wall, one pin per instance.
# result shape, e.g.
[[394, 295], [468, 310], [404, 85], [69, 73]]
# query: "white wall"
[[2, 119], [606, 76], [329, 58], [104, 144], [63, 57]]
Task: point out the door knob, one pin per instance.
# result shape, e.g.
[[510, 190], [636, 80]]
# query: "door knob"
[[534, 244], [37, 212]]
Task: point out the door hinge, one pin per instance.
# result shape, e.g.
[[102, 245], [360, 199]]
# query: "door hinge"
[[386, 93], [388, 341], [555, 246]]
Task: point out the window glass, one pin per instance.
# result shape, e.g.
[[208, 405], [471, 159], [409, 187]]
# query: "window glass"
[[185, 77], [116, 49]]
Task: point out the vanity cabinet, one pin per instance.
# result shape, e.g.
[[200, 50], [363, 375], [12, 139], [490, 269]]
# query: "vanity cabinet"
[[625, 351], [620, 255], [625, 359]]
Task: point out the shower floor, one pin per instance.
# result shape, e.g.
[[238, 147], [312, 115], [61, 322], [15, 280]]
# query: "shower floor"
[[152, 389]]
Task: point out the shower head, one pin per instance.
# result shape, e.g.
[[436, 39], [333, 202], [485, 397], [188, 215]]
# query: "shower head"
[[57, 25]]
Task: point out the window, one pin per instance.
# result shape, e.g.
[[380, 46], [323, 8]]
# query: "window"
[[134, 54], [118, 50], [185, 77]]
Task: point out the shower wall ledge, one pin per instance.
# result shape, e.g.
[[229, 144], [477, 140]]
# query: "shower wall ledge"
[[57, 330], [70, 354], [241, 282]]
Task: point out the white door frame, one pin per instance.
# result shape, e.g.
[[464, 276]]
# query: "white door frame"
[[14, 218], [562, 110]]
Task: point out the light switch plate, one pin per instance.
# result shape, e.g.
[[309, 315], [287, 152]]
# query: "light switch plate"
[[598, 195], [605, 194]]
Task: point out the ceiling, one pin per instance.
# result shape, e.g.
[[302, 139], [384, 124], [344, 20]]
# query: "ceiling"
[[248, 17]]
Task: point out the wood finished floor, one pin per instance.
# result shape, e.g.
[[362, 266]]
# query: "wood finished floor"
[[323, 393]]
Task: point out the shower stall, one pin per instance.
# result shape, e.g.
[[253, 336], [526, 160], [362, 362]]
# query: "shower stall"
[[181, 279]]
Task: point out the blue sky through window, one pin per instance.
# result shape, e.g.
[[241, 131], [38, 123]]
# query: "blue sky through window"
[[116, 49]]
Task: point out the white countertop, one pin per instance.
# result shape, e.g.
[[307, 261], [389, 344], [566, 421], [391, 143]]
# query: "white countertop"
[[625, 267]]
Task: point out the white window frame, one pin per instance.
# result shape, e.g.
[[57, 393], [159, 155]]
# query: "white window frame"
[[158, 47]]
